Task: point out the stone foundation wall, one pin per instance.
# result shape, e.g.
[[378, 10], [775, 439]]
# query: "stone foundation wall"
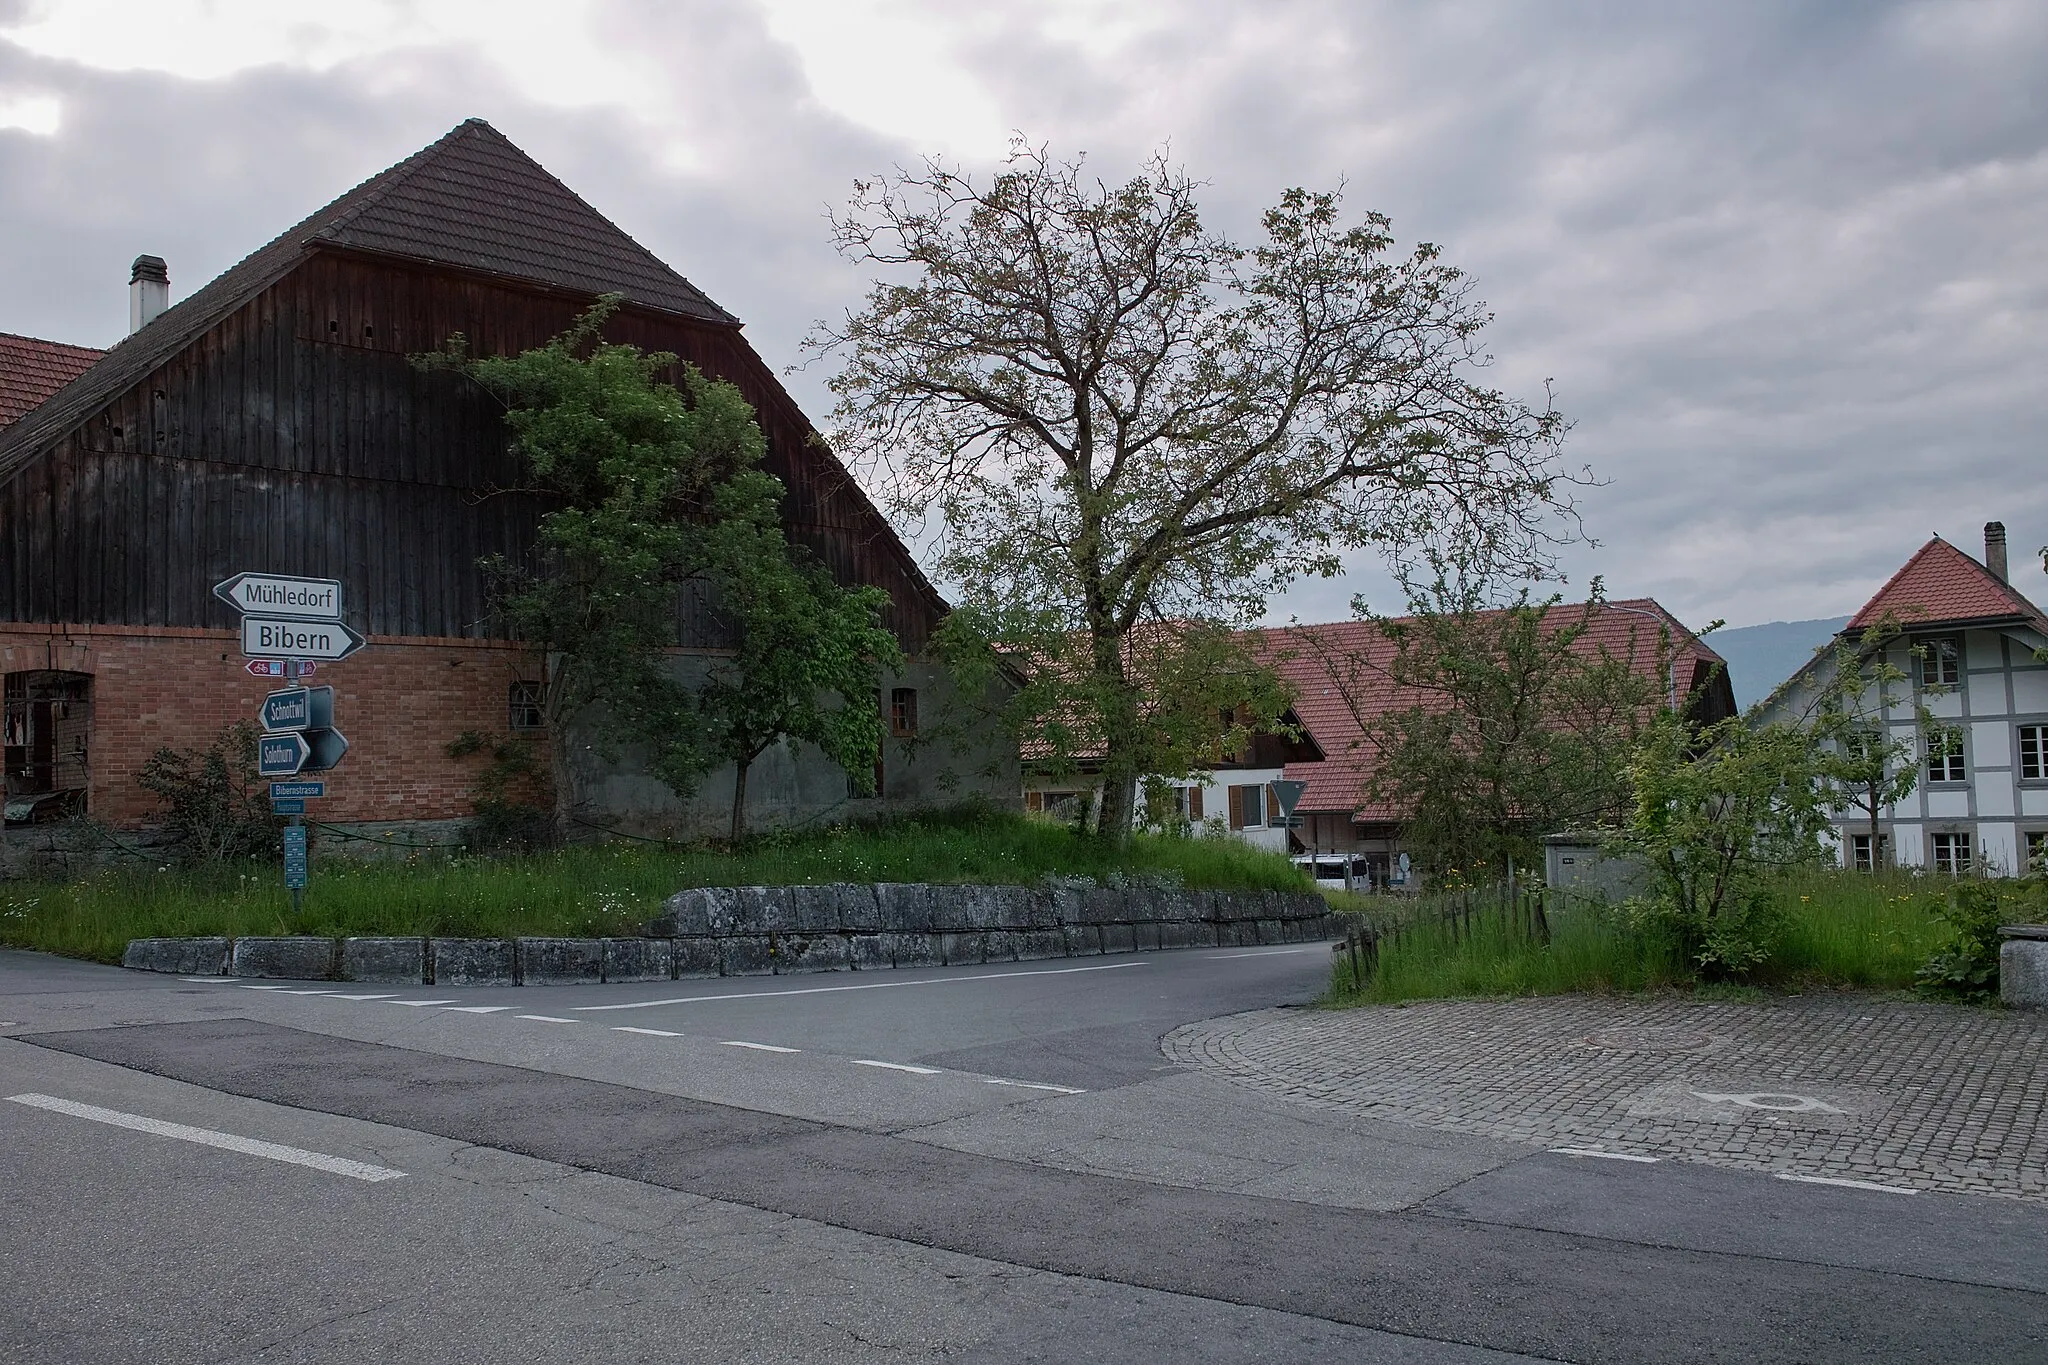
[[760, 931]]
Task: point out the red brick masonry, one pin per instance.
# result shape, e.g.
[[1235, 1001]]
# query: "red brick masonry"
[[400, 701]]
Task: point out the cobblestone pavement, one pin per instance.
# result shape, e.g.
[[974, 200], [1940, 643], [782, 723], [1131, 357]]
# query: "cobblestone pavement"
[[1859, 1087]]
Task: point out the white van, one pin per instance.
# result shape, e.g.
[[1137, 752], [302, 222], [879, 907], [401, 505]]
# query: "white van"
[[1330, 870]]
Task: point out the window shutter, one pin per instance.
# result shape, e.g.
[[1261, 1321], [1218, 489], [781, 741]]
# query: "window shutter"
[[1236, 807], [1034, 801], [1194, 803]]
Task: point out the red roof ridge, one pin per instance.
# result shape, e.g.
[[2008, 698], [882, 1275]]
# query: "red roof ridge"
[[1942, 583]]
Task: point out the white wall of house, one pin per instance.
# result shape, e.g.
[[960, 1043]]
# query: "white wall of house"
[[1991, 815], [1206, 799]]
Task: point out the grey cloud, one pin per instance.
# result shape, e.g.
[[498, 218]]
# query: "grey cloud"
[[1782, 260]]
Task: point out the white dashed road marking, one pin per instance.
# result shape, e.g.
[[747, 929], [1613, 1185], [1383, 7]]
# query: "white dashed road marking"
[[1033, 1085], [1263, 952], [479, 1009], [422, 1004], [296, 1156], [365, 997], [897, 1066], [1845, 1183], [546, 1019], [758, 1047], [650, 1032], [1611, 1156], [873, 986]]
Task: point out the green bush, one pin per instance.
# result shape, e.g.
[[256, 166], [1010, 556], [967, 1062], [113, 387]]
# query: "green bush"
[[215, 805], [1966, 967]]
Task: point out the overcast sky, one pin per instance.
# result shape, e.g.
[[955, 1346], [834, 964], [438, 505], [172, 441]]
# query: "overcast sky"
[[1786, 263]]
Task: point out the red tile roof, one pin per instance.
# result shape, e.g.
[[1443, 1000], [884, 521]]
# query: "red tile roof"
[[32, 369], [1940, 584], [1626, 629]]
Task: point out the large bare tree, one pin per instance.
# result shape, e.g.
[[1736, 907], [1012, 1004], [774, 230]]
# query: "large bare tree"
[[1122, 417]]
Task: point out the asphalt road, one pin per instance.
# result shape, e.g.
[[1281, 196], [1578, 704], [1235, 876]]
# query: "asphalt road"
[[992, 1164]]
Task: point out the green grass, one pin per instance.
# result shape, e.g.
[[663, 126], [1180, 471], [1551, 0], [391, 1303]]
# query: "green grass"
[[1842, 930], [612, 888]]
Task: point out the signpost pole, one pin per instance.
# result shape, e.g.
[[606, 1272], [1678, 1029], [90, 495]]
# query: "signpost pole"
[[295, 839]]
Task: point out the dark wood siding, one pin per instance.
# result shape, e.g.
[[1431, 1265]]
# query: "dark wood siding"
[[295, 437]]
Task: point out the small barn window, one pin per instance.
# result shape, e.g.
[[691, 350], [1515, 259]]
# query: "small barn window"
[[1941, 663], [1945, 755], [903, 712], [1951, 853], [525, 708]]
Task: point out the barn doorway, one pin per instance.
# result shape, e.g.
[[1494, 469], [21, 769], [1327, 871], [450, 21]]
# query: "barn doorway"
[[46, 744]]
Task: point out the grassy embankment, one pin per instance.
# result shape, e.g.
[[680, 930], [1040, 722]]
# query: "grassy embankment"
[[1842, 930], [607, 889]]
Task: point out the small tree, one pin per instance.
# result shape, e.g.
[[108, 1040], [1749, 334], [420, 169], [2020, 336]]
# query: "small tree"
[[1128, 422], [658, 486], [1519, 727], [808, 657], [1717, 810], [215, 804], [1860, 765]]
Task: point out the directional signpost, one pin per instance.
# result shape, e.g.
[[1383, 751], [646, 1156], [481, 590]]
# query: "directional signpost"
[[1285, 795], [287, 624]]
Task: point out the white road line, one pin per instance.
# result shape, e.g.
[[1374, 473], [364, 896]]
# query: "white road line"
[[1262, 952], [1034, 1085], [1611, 1156], [319, 1161], [306, 992], [546, 1019], [897, 1066], [1845, 1183], [252, 986], [206, 980], [339, 996], [876, 986], [650, 1032], [479, 1009], [758, 1047], [422, 1004]]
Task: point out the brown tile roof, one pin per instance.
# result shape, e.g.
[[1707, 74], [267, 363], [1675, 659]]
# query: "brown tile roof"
[[1941, 585], [1626, 629], [32, 369], [471, 200]]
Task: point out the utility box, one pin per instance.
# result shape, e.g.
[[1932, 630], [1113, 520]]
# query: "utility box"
[[1576, 865]]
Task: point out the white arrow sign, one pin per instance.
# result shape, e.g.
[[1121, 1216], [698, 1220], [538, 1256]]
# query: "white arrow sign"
[[269, 594], [265, 637]]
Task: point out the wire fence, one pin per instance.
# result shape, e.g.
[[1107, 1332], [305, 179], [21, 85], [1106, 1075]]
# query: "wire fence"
[[1508, 907]]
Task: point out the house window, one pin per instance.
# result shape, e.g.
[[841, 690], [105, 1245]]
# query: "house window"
[[2037, 851], [1945, 755], [1941, 662], [523, 707], [1859, 852], [2033, 753], [1247, 807], [903, 712], [1951, 853]]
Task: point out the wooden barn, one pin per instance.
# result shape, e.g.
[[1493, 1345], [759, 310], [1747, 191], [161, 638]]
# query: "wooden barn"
[[272, 422]]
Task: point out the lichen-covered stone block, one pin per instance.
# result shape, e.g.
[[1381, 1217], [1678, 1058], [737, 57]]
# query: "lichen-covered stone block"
[[689, 911], [1083, 940], [1146, 935], [859, 913], [999, 945], [813, 909], [1119, 938], [385, 961], [2023, 970], [1193, 933], [811, 953], [961, 950], [560, 961], [697, 957], [1033, 944], [289, 959], [638, 959], [913, 950], [1106, 905], [868, 952], [473, 961], [745, 955], [185, 956], [904, 908]]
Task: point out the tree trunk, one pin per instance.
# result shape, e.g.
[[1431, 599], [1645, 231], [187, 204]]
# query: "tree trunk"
[[739, 796], [560, 775], [1119, 723]]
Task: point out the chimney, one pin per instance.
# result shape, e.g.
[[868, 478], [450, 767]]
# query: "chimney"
[[1994, 548], [149, 292]]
